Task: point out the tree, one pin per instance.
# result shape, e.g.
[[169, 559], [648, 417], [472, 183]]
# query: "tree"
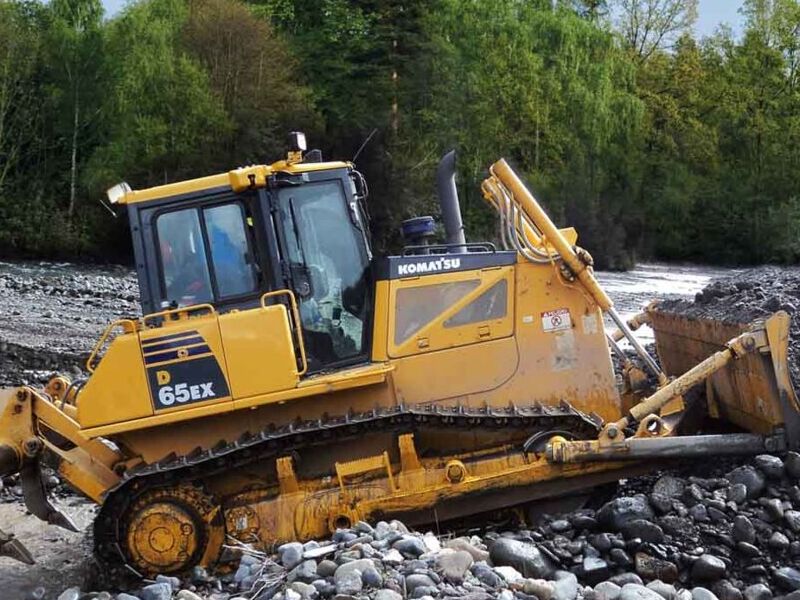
[[75, 45], [651, 25]]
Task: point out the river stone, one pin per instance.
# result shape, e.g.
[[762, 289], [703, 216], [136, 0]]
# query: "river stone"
[[644, 530], [486, 575], [370, 577], [634, 591], [787, 578], [624, 579], [306, 590], [620, 558], [737, 493], [669, 486], [665, 590], [417, 580], [699, 513], [524, 557], [620, 511], [348, 582], [156, 591], [454, 565], [601, 541], [465, 545], [725, 590], [509, 574], [771, 466], [773, 508], [594, 570], [701, 593], [410, 546], [778, 542], [650, 567], [708, 568], [792, 518], [663, 504], [540, 588], [290, 555], [757, 591], [326, 568], [359, 565], [752, 479], [306, 572], [748, 550], [72, 593], [743, 529], [387, 595], [606, 590], [566, 586], [792, 464]]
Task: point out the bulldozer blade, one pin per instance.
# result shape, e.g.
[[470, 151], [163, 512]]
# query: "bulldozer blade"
[[36, 499], [754, 392], [13, 548]]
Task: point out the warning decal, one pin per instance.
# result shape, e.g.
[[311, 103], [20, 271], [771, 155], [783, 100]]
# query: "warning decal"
[[556, 320]]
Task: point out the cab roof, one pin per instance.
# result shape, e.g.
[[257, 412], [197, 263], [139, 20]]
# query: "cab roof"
[[243, 178]]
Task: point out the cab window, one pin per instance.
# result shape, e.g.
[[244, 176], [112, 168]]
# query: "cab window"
[[205, 254]]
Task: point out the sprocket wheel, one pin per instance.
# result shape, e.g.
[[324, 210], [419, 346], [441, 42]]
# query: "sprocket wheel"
[[172, 529]]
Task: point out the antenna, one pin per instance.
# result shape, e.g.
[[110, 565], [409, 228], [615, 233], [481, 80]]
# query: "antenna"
[[364, 145]]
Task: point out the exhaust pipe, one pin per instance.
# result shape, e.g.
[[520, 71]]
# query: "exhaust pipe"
[[448, 201]]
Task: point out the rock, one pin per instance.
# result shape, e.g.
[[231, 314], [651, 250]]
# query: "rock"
[[622, 510], [290, 555], [560, 526], [773, 508], [156, 591], [486, 575], [743, 530], [417, 580], [699, 513], [348, 582], [173, 582], [725, 590], [792, 519], [124, 596], [708, 568], [566, 586], [306, 572], [605, 591], [665, 590], [669, 486], [524, 557], [465, 545], [650, 567], [750, 478], [509, 574], [410, 546], [748, 550], [187, 595], [540, 588], [737, 493], [306, 591], [787, 578], [371, 578], [580, 522], [393, 558], [757, 591], [792, 465], [72, 593], [601, 541], [432, 543], [387, 595], [771, 466], [326, 568], [778, 542], [701, 593], [634, 591], [620, 558], [645, 530], [594, 570], [624, 579], [454, 565], [662, 504]]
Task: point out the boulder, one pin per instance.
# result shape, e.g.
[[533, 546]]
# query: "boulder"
[[752, 479], [620, 511], [523, 556], [771, 466], [708, 568]]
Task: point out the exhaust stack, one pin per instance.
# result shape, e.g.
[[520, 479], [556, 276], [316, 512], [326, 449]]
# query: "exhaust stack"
[[448, 200]]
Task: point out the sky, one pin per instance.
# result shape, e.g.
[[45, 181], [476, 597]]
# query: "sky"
[[710, 14]]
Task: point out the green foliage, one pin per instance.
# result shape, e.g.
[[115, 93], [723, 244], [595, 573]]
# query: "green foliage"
[[648, 141]]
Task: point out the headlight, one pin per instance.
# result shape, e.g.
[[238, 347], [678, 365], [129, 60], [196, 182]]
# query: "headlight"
[[118, 192]]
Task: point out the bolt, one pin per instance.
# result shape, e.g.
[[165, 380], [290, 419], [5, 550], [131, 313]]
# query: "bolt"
[[22, 395], [612, 431]]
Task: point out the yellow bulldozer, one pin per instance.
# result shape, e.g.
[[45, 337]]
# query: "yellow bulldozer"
[[284, 382]]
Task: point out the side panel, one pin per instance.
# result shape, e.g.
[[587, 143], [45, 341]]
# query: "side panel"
[[117, 390], [259, 351], [185, 364]]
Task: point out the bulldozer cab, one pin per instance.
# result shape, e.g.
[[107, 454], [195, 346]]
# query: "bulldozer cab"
[[301, 231]]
